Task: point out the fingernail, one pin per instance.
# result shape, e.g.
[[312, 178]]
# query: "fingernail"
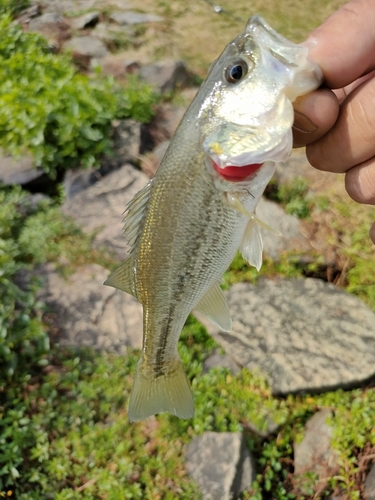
[[303, 124]]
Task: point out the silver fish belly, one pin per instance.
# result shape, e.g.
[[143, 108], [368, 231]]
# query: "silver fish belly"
[[185, 227]]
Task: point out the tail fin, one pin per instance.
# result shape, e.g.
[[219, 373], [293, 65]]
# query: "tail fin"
[[169, 391]]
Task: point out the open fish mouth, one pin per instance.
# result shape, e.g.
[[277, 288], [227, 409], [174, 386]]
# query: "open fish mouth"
[[237, 168]]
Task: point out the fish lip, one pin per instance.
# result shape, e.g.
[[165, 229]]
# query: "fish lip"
[[278, 153]]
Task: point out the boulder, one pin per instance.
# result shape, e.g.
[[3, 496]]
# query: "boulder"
[[220, 464], [165, 76], [86, 46], [84, 312], [100, 207], [303, 334], [88, 20], [315, 453]]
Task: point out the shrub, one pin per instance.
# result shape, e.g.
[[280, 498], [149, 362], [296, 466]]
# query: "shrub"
[[62, 117]]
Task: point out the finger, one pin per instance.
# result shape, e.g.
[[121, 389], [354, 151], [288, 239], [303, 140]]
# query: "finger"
[[351, 140], [314, 115], [344, 44], [372, 233], [360, 182]]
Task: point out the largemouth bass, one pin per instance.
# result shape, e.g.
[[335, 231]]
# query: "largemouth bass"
[[186, 225]]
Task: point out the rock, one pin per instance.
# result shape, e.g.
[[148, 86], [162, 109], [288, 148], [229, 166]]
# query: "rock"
[[112, 34], [88, 46], [100, 207], [303, 334], [220, 464], [166, 121], [88, 20], [274, 216], [18, 171], [127, 141], [314, 453], [26, 15], [216, 359], [76, 181], [369, 489], [87, 313], [166, 76], [131, 17], [118, 65], [51, 26]]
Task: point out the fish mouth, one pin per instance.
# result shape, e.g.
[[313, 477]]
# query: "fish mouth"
[[235, 173], [235, 165]]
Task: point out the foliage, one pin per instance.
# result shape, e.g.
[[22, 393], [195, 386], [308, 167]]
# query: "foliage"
[[13, 7], [62, 117], [294, 196]]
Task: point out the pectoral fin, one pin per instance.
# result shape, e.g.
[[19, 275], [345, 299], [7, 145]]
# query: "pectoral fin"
[[123, 277], [252, 245], [214, 307], [235, 203]]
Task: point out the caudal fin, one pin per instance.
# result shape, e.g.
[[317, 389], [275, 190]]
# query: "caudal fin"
[[156, 393]]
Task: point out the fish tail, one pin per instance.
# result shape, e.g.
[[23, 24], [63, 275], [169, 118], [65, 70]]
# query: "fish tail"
[[155, 392]]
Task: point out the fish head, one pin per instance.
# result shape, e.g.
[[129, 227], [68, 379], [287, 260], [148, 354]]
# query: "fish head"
[[246, 107]]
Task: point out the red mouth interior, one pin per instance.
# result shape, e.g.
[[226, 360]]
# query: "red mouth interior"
[[237, 174]]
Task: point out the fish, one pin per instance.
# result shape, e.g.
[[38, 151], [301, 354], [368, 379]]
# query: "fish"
[[186, 225]]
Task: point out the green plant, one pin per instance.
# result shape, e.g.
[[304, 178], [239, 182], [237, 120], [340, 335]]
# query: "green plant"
[[62, 117]]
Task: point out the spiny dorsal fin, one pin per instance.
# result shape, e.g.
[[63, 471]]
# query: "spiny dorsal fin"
[[134, 213], [214, 307], [252, 245], [123, 277]]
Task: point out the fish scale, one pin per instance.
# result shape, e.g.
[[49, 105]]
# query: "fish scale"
[[185, 227]]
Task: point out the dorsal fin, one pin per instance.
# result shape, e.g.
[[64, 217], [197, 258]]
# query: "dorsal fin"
[[213, 306], [134, 213]]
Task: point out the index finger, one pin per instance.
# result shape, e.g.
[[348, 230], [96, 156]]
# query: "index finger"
[[344, 45]]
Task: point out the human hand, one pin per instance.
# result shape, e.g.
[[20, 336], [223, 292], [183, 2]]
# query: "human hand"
[[338, 126]]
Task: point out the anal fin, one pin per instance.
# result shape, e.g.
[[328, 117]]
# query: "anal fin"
[[214, 306], [123, 277]]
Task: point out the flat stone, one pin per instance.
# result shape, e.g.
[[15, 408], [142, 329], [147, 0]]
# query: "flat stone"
[[165, 76], [130, 17], [45, 21], [369, 492], [220, 464], [288, 225], [118, 65], [18, 171], [100, 207], [303, 334], [88, 46], [87, 313], [88, 20], [220, 360], [314, 453]]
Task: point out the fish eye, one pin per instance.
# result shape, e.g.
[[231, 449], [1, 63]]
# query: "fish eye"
[[236, 71]]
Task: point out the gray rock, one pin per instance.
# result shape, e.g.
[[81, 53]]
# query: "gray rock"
[[369, 492], [127, 138], [26, 15], [216, 359], [88, 20], [88, 46], [274, 216], [220, 464], [18, 171], [166, 75], [76, 181], [46, 21], [314, 453], [100, 207], [304, 335], [118, 65], [130, 17], [87, 313]]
